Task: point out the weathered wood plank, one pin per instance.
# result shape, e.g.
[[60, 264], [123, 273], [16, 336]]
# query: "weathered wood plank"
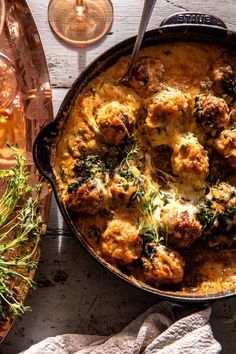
[[79, 303], [58, 95], [66, 63]]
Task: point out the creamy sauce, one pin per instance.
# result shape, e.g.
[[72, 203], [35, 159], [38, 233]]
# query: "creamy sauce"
[[140, 168]]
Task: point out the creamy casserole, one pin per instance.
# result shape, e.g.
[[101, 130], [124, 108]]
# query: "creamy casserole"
[[147, 172]]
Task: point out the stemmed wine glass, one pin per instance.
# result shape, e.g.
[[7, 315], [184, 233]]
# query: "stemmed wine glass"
[[80, 22]]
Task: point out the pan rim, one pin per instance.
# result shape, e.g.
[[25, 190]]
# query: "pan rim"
[[106, 59]]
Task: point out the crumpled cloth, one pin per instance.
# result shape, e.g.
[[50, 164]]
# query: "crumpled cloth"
[[155, 331]]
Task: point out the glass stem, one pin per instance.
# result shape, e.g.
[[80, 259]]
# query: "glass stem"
[[79, 3], [81, 10]]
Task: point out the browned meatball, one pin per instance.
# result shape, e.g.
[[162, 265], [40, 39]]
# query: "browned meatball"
[[222, 77], [224, 72], [124, 187], [115, 121], [123, 192], [225, 144], [189, 158], [88, 198], [218, 210], [167, 108], [164, 266], [183, 230], [147, 75], [211, 112], [120, 243], [221, 197]]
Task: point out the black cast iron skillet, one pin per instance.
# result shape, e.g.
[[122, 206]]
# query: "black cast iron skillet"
[[178, 27]]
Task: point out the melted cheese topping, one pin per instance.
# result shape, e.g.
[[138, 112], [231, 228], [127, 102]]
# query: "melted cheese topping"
[[149, 161]]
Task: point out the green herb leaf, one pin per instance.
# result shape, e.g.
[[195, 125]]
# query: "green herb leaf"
[[20, 230]]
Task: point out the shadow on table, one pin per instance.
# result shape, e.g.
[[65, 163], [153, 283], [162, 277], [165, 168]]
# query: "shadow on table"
[[74, 294]]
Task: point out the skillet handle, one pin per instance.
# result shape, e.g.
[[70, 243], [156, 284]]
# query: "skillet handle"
[[42, 148], [193, 18]]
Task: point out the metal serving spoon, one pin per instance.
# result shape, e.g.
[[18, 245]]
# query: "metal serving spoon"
[[147, 11]]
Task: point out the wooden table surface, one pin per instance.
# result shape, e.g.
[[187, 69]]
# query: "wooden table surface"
[[74, 294]]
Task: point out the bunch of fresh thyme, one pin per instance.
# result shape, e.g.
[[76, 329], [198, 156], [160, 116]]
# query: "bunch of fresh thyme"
[[20, 229]]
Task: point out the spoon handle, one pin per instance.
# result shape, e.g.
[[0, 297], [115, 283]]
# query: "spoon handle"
[[147, 11]]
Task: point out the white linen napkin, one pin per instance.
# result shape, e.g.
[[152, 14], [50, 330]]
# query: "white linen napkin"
[[155, 331]]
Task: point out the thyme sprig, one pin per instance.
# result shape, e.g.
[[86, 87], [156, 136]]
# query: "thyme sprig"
[[20, 230], [149, 229], [16, 187], [128, 169]]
